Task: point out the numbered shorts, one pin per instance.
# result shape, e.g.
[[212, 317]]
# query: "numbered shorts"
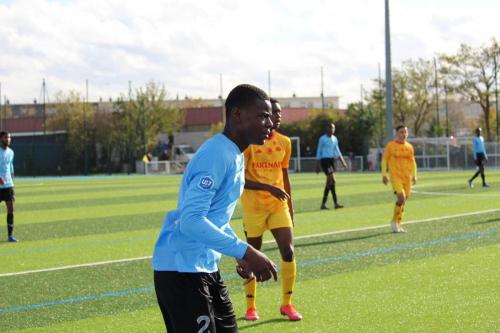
[[480, 159], [194, 302], [328, 165], [256, 222], [401, 186], [7, 194]]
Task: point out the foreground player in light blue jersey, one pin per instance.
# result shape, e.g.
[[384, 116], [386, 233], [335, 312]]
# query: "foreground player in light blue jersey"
[[327, 151], [7, 182], [189, 287]]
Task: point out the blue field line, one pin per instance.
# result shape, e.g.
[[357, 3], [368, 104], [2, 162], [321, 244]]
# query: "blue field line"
[[402, 247], [386, 250], [76, 299]]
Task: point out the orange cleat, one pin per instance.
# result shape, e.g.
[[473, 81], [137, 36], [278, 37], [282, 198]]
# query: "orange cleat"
[[290, 312], [252, 314]]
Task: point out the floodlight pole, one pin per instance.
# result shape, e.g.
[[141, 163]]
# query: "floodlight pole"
[[496, 90], [322, 92], [85, 134], [388, 75], [437, 97]]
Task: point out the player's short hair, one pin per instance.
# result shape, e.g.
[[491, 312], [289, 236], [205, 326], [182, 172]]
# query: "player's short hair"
[[244, 95], [3, 133], [400, 127]]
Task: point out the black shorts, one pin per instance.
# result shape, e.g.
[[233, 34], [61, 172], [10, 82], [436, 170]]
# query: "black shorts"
[[7, 194], [328, 165], [194, 302], [480, 159]]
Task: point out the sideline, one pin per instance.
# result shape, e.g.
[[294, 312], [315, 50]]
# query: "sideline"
[[340, 232], [346, 257]]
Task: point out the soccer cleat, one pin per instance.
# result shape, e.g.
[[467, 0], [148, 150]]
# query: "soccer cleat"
[[252, 314], [12, 239], [469, 183], [401, 229], [394, 226], [486, 185], [323, 207], [290, 312], [337, 206]]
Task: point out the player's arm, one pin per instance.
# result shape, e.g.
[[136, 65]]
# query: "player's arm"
[[384, 167], [285, 164], [204, 182], [414, 168], [474, 149], [318, 154], [288, 189], [344, 164], [276, 191], [12, 166]]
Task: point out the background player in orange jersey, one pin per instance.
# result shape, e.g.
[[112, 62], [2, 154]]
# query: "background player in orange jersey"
[[399, 161], [267, 205]]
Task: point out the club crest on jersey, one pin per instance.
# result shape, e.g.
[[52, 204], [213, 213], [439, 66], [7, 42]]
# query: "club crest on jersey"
[[206, 183]]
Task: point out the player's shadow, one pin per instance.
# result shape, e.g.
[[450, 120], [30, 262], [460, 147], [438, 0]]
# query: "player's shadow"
[[333, 241], [262, 322], [487, 221]]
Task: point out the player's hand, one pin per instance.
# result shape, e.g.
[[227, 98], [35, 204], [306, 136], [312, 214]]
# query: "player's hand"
[[1, 181], [414, 180], [258, 264], [278, 192], [242, 272], [385, 180]]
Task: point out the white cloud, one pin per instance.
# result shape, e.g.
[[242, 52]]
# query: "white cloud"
[[187, 44]]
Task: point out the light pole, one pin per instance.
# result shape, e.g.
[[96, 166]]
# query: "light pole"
[[495, 63], [437, 98], [388, 74]]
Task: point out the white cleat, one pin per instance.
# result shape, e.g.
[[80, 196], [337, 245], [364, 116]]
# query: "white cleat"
[[394, 226]]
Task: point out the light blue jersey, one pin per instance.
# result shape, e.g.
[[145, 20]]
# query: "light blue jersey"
[[6, 167], [328, 147], [478, 146], [194, 235]]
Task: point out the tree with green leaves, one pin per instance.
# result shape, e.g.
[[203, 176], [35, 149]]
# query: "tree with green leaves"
[[471, 73], [144, 115], [77, 118]]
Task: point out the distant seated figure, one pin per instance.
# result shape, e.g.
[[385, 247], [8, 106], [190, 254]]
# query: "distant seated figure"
[[147, 158]]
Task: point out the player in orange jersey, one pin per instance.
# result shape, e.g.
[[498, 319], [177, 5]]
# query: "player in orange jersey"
[[267, 205], [399, 161]]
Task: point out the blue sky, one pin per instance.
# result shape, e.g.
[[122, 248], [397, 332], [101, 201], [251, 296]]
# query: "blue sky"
[[187, 44]]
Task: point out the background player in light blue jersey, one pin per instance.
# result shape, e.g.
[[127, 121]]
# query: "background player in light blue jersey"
[[327, 151], [7, 182], [189, 287], [480, 157]]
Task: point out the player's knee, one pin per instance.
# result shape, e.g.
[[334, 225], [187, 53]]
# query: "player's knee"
[[287, 253]]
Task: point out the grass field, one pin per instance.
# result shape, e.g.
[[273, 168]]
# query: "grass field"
[[354, 274]]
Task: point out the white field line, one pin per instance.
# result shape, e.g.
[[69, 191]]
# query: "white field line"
[[446, 194], [99, 263]]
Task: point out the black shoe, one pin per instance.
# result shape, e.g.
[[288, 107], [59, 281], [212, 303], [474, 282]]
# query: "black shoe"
[[323, 207], [337, 206], [486, 185]]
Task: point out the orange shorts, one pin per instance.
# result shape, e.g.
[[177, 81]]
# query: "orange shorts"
[[255, 223]]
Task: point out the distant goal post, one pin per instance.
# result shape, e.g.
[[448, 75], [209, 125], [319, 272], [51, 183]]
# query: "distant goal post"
[[164, 167]]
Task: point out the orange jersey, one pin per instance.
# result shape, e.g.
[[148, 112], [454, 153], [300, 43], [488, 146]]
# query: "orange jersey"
[[264, 164], [399, 160]]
